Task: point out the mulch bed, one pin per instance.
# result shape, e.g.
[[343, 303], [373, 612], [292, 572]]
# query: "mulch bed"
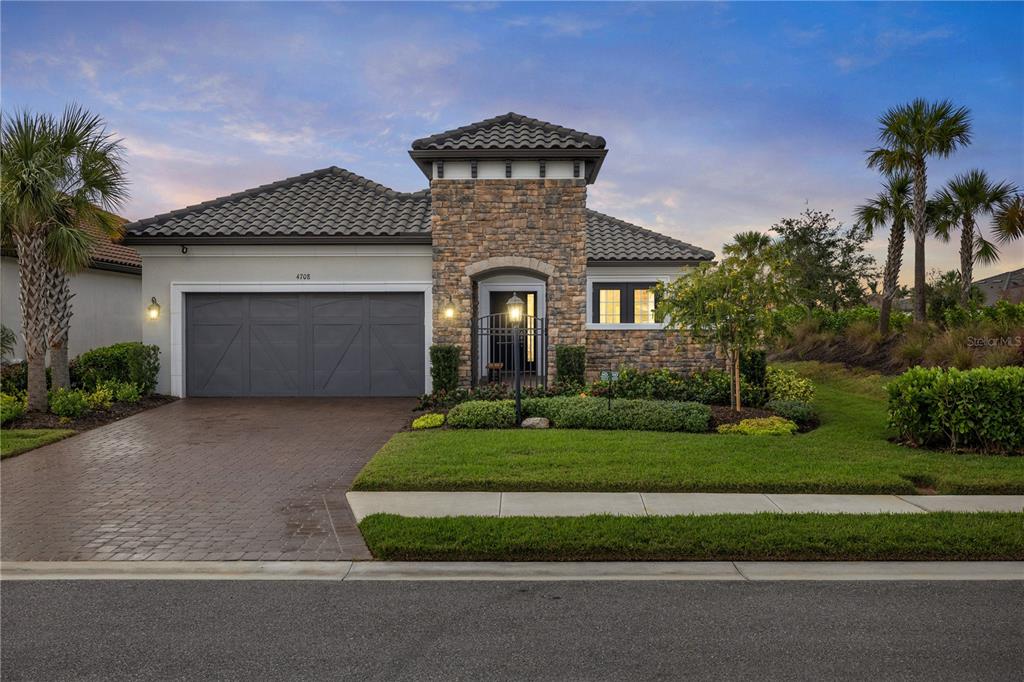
[[726, 415], [90, 420]]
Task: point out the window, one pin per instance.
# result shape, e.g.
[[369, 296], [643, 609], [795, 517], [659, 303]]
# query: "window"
[[610, 306], [623, 303]]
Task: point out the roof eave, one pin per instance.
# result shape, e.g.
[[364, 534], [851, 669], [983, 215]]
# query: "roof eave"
[[425, 157], [680, 262], [226, 240]]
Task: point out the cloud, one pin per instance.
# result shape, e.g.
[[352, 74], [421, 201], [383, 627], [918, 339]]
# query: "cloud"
[[888, 44], [474, 7], [555, 25]]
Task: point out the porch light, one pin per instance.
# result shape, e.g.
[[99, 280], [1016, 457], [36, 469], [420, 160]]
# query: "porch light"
[[449, 310], [515, 308], [153, 309]]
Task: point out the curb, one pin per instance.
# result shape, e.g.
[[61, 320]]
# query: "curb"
[[745, 571]]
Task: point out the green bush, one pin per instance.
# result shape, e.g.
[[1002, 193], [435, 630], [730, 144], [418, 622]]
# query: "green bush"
[[1003, 314], [101, 398], [68, 403], [11, 407], [978, 408], [571, 365], [624, 414], [766, 426], [754, 367], [837, 321], [444, 366], [14, 377], [428, 421], [802, 413], [130, 362], [125, 392], [710, 387], [483, 414], [784, 384]]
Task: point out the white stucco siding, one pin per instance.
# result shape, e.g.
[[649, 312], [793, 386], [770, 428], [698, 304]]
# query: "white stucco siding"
[[168, 275], [106, 308]]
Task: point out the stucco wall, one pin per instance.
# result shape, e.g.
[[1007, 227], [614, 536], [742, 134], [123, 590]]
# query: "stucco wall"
[[269, 267], [539, 224], [106, 308]]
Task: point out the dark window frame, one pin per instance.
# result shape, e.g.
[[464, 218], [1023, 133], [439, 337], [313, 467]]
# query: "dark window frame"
[[626, 309]]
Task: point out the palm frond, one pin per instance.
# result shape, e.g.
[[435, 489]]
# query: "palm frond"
[[985, 252]]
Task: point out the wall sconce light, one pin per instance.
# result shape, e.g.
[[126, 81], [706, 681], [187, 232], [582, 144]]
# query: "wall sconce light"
[[449, 310], [515, 308], [153, 309]]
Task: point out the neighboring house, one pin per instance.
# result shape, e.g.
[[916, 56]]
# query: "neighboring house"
[[1007, 286], [330, 284], [105, 304]]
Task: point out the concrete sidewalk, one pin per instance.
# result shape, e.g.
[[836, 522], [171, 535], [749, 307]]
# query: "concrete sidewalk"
[[750, 571], [435, 504]]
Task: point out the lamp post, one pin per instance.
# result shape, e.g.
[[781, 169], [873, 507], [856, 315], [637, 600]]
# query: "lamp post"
[[515, 314]]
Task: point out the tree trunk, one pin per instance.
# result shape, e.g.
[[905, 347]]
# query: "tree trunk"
[[32, 268], [920, 233], [891, 278], [966, 258], [736, 380], [59, 299]]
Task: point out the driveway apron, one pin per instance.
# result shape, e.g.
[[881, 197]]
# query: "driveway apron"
[[200, 479]]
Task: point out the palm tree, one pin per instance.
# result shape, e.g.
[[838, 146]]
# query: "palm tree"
[[959, 204], [1009, 219], [892, 205], [909, 134], [57, 175], [747, 244]]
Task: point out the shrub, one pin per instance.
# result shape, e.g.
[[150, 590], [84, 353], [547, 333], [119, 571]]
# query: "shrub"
[[784, 384], [11, 407], [802, 413], [101, 398], [14, 377], [571, 364], [979, 408], [130, 362], [753, 367], [68, 403], [126, 393], [767, 426], [428, 421], [483, 414], [623, 414], [444, 366]]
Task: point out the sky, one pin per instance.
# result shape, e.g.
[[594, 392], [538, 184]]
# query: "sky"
[[719, 117]]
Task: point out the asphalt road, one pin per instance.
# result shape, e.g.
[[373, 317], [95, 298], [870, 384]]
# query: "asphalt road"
[[507, 630]]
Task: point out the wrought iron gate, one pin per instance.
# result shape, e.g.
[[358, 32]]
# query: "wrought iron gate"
[[501, 345]]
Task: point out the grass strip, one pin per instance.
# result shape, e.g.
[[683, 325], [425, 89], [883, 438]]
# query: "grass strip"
[[726, 537], [16, 441]]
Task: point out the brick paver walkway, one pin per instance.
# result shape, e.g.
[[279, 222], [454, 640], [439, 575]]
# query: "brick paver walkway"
[[199, 479]]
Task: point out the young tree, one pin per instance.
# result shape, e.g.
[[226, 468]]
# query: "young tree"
[[830, 265], [910, 134], [959, 204], [731, 305], [892, 205], [57, 175]]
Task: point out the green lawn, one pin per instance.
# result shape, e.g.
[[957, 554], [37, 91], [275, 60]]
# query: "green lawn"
[[758, 537], [848, 453], [16, 441]]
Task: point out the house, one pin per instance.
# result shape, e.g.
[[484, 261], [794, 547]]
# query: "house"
[[1006, 286], [105, 303], [330, 284]]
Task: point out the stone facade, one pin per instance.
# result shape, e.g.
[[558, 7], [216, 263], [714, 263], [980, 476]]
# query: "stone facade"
[[610, 349], [476, 220]]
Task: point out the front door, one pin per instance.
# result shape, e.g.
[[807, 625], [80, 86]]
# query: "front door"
[[504, 346]]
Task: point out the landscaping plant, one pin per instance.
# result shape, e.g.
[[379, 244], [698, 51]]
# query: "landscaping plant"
[[11, 407], [804, 414], [891, 205], [784, 384], [432, 420], [571, 365], [483, 414], [444, 367], [620, 414], [131, 362], [766, 426], [69, 404], [979, 408]]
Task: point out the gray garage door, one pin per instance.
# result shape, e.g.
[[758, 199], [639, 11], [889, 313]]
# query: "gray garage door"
[[304, 344]]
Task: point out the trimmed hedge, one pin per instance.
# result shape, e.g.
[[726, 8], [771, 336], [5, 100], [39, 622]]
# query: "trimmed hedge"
[[571, 365], [624, 414], [444, 367], [131, 362], [802, 413], [483, 414], [710, 387], [978, 408]]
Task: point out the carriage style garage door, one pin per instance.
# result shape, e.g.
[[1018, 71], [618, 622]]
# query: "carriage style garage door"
[[329, 344]]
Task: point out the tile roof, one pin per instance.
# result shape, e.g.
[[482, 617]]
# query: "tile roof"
[[510, 131], [614, 240], [1004, 280], [329, 202], [109, 250]]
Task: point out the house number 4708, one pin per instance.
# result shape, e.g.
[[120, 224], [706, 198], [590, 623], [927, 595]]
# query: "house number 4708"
[[302, 275]]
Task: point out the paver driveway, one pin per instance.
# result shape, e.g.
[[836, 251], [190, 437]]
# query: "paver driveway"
[[199, 479]]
